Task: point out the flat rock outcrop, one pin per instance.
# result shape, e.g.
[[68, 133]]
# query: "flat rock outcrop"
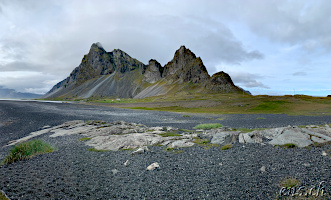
[[300, 137], [121, 135], [116, 74]]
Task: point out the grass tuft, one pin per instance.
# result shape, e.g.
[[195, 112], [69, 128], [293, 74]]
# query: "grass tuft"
[[174, 150], [204, 143], [200, 141], [3, 197], [27, 150], [260, 118], [289, 145], [208, 126], [289, 183], [185, 130], [227, 146], [97, 150], [84, 139], [169, 134]]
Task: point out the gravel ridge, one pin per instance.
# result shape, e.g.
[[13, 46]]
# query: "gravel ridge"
[[73, 172]]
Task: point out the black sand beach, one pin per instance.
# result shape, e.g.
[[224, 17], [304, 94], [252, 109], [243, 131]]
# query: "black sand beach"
[[73, 172]]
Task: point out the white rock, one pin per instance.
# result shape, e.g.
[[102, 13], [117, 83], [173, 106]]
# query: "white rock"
[[115, 171], [140, 150], [126, 163], [181, 143], [153, 166], [262, 169], [324, 153]]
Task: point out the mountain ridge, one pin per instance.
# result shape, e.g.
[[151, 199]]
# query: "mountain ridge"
[[13, 94], [116, 74]]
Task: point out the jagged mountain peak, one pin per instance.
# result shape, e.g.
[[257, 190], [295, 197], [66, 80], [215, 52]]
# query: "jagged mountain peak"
[[153, 71], [97, 47], [222, 77], [118, 53], [185, 66], [183, 52], [116, 74]]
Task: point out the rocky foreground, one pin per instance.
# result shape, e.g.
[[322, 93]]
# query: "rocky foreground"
[[121, 135], [151, 162]]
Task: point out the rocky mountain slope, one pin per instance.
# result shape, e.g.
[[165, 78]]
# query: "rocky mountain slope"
[[116, 74]]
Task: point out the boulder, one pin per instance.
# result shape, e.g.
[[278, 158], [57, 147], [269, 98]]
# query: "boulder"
[[181, 143], [250, 137], [271, 133], [225, 137], [292, 136]]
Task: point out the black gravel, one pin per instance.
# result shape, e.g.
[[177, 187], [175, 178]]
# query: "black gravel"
[[73, 172]]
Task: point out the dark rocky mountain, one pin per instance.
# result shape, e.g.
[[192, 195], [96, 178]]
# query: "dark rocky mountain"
[[12, 94], [116, 74]]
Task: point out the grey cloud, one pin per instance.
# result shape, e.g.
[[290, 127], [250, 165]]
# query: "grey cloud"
[[158, 36], [293, 22], [247, 80], [49, 68], [223, 47], [34, 82], [156, 32], [52, 36], [299, 74], [18, 66]]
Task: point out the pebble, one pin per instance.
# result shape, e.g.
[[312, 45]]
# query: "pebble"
[[153, 166]]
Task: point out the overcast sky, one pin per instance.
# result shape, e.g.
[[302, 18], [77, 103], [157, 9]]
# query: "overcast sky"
[[273, 47]]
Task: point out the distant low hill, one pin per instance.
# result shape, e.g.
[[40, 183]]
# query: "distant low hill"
[[12, 94], [116, 74]]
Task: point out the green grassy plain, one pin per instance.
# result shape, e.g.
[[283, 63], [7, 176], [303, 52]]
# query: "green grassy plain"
[[227, 104]]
